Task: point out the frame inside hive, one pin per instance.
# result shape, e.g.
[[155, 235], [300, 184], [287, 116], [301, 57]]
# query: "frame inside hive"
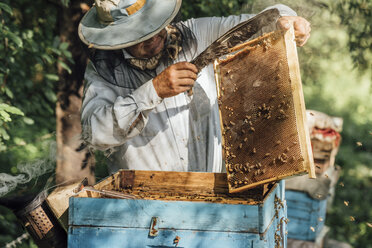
[[262, 110], [174, 186]]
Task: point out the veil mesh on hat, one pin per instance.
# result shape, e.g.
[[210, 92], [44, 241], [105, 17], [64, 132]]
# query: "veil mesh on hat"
[[111, 65]]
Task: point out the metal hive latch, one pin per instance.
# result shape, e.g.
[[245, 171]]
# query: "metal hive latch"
[[153, 227]]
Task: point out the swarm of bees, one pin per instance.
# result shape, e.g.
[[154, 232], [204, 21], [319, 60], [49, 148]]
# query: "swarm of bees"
[[241, 174]]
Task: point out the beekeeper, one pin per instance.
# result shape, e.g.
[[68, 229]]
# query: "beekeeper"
[[135, 100]]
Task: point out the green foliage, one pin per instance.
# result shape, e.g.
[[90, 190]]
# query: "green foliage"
[[30, 51], [5, 111], [356, 16], [331, 85]]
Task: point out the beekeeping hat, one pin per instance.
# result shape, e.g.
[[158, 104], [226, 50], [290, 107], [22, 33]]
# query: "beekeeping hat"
[[116, 24]]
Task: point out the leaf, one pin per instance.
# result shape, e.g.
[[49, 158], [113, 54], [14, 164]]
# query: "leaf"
[[28, 121], [50, 95], [65, 2], [2, 147], [11, 109], [52, 77], [65, 66], [63, 46], [16, 39], [3, 134], [8, 92], [68, 54], [47, 58], [6, 8], [55, 50], [5, 116], [19, 141]]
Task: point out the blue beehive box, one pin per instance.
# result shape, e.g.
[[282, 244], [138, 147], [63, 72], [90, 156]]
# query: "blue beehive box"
[[306, 215], [176, 209]]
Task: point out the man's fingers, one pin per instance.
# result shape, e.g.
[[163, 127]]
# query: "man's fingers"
[[283, 24], [184, 88], [186, 82], [300, 28], [186, 74], [186, 66], [302, 41]]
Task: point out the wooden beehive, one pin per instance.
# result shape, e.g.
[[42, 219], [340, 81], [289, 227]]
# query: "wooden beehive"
[[325, 139], [262, 110], [58, 201], [176, 209], [306, 215]]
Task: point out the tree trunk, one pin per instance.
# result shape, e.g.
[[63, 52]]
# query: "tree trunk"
[[73, 162]]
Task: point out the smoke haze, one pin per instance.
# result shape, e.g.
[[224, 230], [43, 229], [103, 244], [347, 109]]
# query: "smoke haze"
[[28, 171]]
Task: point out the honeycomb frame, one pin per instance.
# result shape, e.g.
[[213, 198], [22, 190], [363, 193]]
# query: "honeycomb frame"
[[263, 120]]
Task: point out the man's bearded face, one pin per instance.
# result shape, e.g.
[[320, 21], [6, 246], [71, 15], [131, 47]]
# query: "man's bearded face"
[[149, 48]]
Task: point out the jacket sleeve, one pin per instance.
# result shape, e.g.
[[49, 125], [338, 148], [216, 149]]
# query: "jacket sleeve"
[[110, 114], [209, 29]]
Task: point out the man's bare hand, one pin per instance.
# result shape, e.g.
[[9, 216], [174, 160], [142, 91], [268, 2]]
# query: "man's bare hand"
[[301, 27], [175, 79]]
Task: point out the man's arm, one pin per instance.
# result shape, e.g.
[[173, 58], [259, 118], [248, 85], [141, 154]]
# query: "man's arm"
[[111, 115], [208, 29]]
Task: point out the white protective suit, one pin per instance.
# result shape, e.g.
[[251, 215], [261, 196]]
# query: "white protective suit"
[[179, 133]]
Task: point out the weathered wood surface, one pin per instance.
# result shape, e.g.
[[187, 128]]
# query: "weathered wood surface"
[[263, 119], [306, 215], [179, 186], [129, 238], [58, 201]]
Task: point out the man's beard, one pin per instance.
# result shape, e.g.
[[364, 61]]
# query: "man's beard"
[[171, 49]]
